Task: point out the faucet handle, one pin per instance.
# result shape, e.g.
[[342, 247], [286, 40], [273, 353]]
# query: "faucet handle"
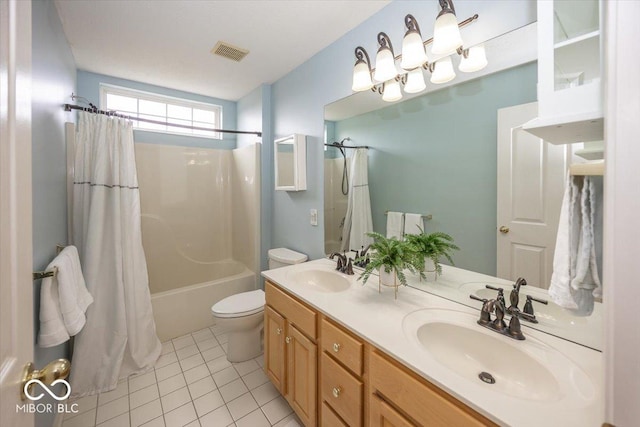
[[528, 306], [487, 308], [348, 269]]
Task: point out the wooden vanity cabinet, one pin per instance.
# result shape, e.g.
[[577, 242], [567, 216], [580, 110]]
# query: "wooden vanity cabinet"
[[290, 352]]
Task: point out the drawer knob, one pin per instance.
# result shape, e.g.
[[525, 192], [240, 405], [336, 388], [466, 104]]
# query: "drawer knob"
[[336, 392], [287, 340], [336, 347], [279, 331]]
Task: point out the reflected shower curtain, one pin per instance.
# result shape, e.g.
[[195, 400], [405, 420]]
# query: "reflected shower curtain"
[[119, 337], [358, 221]]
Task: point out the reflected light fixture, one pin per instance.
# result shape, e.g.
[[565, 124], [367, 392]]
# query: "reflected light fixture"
[[446, 33], [413, 53], [385, 60], [385, 78], [473, 59]]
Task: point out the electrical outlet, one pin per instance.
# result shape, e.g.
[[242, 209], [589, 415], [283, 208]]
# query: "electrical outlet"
[[313, 217]]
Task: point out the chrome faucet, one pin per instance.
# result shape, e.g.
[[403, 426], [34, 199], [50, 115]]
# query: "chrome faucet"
[[344, 263], [498, 324]]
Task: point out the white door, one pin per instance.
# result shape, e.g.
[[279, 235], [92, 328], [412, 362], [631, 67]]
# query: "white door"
[[16, 303], [531, 179]]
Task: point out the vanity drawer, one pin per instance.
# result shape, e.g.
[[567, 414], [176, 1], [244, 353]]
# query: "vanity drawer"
[[422, 401], [294, 311], [342, 391], [329, 418], [342, 346]]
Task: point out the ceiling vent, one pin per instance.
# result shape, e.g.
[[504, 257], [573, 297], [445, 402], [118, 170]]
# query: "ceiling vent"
[[229, 51]]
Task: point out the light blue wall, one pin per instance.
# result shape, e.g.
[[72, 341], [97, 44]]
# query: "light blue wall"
[[300, 96], [437, 154], [53, 78], [89, 87]]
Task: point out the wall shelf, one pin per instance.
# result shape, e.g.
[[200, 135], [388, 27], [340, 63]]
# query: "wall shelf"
[[587, 169], [568, 129]]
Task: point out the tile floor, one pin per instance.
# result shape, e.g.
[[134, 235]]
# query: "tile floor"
[[192, 385]]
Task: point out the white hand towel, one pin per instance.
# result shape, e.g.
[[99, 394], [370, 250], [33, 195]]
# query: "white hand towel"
[[413, 223], [395, 224], [64, 299]]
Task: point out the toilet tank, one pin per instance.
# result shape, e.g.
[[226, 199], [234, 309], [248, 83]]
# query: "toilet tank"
[[281, 257]]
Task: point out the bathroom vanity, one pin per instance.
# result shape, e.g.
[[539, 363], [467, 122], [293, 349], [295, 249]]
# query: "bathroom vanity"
[[344, 354]]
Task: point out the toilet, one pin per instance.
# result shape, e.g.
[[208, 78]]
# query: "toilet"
[[241, 316]]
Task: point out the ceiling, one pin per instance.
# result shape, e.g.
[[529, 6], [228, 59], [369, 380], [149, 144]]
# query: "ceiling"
[[168, 43]]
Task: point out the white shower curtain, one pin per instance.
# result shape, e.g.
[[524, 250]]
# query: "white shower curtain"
[[119, 337], [358, 220]]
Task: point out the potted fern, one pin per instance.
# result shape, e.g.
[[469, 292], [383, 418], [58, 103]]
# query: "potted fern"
[[428, 249], [390, 257]]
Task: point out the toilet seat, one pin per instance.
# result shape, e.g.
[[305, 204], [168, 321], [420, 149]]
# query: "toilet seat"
[[240, 305]]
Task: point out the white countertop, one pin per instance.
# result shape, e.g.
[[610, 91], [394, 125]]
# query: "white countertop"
[[378, 318]]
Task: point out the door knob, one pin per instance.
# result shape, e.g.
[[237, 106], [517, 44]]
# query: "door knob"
[[504, 230], [56, 370]]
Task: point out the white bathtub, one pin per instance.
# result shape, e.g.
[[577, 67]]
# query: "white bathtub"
[[187, 309]]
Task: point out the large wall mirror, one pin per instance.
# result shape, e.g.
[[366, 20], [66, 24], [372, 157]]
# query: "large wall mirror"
[[457, 154]]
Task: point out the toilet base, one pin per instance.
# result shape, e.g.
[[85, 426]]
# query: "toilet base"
[[244, 345]]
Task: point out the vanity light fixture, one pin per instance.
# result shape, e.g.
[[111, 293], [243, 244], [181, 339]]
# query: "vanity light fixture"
[[385, 78]]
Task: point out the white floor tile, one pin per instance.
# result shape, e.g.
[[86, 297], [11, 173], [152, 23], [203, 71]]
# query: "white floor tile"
[[195, 374], [185, 352], [119, 421], [203, 335], [224, 347], [290, 421], [166, 359], [233, 389], [180, 416], [222, 338], [167, 347], [260, 360], [225, 376], [201, 387], [156, 422], [171, 384], [168, 371], [242, 406], [208, 344], [213, 353], [244, 368], [112, 409], [276, 410], [195, 423], [219, 417], [183, 341], [121, 390], [255, 379], [85, 404], [254, 419], [208, 402], [191, 362], [265, 393], [218, 364], [139, 382], [146, 413], [146, 395], [175, 400], [86, 419]]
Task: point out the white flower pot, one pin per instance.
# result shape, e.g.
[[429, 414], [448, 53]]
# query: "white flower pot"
[[389, 279], [430, 270]]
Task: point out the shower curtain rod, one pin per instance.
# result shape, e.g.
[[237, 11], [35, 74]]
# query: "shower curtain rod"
[[92, 109], [338, 145]]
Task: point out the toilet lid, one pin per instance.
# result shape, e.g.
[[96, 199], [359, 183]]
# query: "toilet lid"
[[238, 305]]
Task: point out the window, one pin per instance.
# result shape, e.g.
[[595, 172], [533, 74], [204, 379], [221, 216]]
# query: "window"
[[145, 105]]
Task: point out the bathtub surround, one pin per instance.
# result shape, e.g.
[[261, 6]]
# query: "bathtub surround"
[[200, 229], [53, 77], [119, 338]]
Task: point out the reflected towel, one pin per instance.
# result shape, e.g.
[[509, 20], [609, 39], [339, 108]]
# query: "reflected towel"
[[395, 224], [413, 223], [63, 300]]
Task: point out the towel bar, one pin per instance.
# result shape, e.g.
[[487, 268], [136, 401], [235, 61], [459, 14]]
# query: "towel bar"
[[425, 216], [37, 275]]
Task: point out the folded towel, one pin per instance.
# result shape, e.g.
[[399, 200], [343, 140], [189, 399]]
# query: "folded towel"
[[64, 299], [395, 224], [413, 223]]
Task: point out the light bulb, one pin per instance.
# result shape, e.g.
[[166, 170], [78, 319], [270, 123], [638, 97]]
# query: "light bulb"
[[385, 66], [443, 71], [446, 35], [415, 81], [361, 77], [391, 91], [413, 54], [475, 59]]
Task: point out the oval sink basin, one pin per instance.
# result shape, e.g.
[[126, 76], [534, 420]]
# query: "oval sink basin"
[[321, 280], [528, 370]]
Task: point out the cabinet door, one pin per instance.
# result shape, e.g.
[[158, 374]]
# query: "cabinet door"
[[302, 362], [274, 349], [383, 415]]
